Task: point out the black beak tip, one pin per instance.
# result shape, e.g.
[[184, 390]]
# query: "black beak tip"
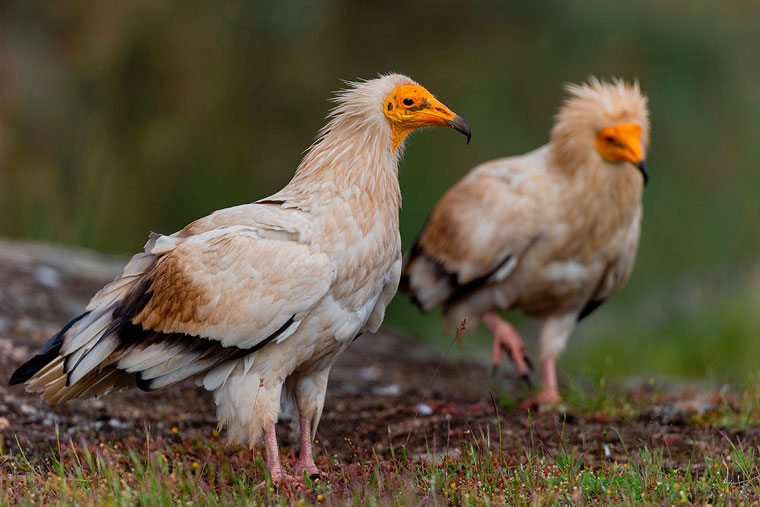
[[642, 165], [460, 125]]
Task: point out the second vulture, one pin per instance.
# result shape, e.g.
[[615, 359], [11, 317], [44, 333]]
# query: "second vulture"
[[553, 232]]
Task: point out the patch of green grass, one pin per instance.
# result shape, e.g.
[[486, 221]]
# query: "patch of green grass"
[[599, 392], [734, 411], [475, 473]]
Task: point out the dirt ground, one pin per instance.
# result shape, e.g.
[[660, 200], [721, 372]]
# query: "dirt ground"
[[378, 394]]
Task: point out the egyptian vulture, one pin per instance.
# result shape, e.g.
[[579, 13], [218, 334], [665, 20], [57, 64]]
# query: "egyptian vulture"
[[553, 232], [256, 302]]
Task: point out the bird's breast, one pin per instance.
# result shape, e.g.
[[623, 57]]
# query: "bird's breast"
[[360, 236]]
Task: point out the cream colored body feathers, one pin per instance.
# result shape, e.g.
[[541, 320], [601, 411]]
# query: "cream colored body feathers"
[[553, 232], [260, 299]]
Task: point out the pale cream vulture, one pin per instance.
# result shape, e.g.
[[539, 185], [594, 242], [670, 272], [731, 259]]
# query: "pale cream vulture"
[[553, 232], [257, 301]]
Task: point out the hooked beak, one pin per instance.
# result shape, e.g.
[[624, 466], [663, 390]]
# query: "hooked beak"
[[460, 125], [419, 108], [437, 113], [642, 165]]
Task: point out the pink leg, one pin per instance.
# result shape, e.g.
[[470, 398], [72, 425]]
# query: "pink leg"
[[505, 337], [305, 462], [549, 392], [273, 457]]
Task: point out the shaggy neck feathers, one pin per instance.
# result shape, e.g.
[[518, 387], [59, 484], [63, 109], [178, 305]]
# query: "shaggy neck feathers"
[[604, 195], [353, 152], [589, 108]]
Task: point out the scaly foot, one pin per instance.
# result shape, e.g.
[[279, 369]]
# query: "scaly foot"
[[305, 464], [549, 391], [273, 459]]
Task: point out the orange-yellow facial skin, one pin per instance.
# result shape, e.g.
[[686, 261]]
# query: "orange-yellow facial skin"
[[621, 142], [410, 107]]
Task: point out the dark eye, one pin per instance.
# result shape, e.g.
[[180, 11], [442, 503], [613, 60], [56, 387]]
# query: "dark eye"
[[408, 102], [609, 139]]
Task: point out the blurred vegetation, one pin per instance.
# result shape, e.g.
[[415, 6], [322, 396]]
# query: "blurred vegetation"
[[117, 118]]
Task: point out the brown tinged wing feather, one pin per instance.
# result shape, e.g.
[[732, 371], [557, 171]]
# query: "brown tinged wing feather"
[[476, 235], [233, 286], [454, 291], [193, 325], [183, 314]]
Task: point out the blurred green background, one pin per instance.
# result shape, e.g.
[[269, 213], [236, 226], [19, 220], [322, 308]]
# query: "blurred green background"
[[117, 118]]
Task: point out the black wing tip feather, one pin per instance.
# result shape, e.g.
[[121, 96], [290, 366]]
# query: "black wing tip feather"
[[143, 384], [48, 353], [129, 334], [461, 291], [32, 366], [458, 291], [590, 307]]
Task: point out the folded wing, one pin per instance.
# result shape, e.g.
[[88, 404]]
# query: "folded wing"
[[476, 235], [188, 304]]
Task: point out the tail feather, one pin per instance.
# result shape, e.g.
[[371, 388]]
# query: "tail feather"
[[112, 381], [183, 373], [49, 352], [45, 376], [426, 282], [102, 381], [103, 351], [55, 390], [216, 376], [83, 347]]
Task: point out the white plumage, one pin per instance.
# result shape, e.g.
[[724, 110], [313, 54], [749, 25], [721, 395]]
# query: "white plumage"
[[553, 232], [258, 300]]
